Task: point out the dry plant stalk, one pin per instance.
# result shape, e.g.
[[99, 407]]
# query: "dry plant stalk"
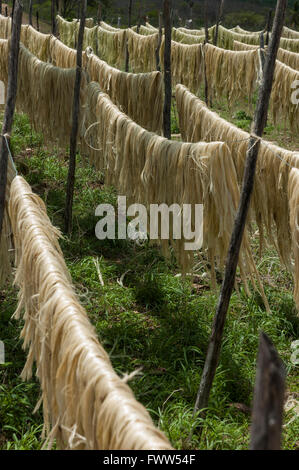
[[293, 195], [233, 74], [269, 201], [153, 170], [86, 405]]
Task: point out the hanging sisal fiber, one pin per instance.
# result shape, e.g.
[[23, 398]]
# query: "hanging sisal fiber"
[[195, 32], [239, 30], [286, 57], [5, 27], [290, 44], [270, 201], [108, 27], [112, 46], [37, 43], [186, 64], [150, 26], [180, 36], [293, 195], [86, 405], [90, 37], [63, 56], [4, 60], [67, 31], [142, 51], [45, 93], [232, 74], [144, 30], [6, 246], [140, 96], [226, 37], [281, 104], [150, 169], [290, 33]]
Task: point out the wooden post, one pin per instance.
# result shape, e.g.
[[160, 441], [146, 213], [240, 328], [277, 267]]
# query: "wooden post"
[[167, 68], [30, 12], [219, 18], [191, 14], [215, 341], [6, 12], [159, 41], [53, 20], [75, 125], [206, 21], [0, 7], [11, 94], [37, 21], [267, 412], [129, 26], [13, 8], [99, 13], [139, 20], [268, 27]]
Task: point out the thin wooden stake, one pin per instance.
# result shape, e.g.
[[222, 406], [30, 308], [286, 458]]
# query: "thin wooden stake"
[[11, 94], [75, 125], [215, 341], [37, 21], [6, 12], [267, 412], [129, 26], [0, 7], [167, 69], [219, 18], [206, 21], [159, 41], [30, 12], [268, 27], [53, 21], [99, 13]]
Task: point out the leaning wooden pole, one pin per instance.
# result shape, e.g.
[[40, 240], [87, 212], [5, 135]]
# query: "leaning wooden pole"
[[219, 18], [167, 69], [268, 27], [30, 13], [215, 341], [73, 140], [53, 21], [157, 52], [99, 14], [206, 21], [37, 21], [11, 94], [129, 26], [267, 412]]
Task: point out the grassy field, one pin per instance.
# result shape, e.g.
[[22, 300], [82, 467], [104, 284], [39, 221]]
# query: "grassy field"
[[148, 317]]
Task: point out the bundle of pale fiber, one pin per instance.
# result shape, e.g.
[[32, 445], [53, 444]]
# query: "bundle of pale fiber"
[[270, 201], [90, 38], [142, 51], [144, 30], [6, 246], [239, 30], [67, 31], [290, 33], [290, 44], [180, 36], [86, 405], [112, 46], [226, 37], [281, 104], [153, 170], [293, 194], [286, 57], [4, 47], [140, 96], [45, 93], [108, 26], [232, 74], [195, 32], [5, 27], [186, 64], [37, 43]]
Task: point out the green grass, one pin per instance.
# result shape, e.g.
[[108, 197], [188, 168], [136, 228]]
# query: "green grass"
[[155, 320]]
